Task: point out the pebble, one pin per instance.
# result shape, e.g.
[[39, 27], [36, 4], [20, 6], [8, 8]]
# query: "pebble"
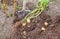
[[38, 24], [24, 32], [28, 26]]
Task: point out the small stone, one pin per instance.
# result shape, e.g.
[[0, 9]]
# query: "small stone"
[[45, 23], [43, 29], [24, 32], [19, 11], [37, 23], [52, 25], [28, 26]]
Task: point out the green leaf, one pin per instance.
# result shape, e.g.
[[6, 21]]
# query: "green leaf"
[[17, 7], [44, 3]]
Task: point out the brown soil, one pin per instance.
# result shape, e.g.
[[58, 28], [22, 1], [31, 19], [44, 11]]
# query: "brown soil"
[[33, 30]]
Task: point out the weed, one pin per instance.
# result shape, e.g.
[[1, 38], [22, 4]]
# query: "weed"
[[43, 3]]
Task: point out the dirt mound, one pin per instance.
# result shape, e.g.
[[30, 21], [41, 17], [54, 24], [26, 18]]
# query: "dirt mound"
[[34, 29]]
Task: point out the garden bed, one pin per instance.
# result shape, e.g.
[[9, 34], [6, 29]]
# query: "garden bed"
[[37, 29], [42, 27], [45, 26]]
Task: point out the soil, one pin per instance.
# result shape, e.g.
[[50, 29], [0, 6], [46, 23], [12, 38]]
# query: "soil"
[[33, 30]]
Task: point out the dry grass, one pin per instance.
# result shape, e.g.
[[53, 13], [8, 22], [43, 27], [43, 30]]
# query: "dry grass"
[[5, 8]]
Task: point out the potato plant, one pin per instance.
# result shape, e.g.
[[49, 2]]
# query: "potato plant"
[[37, 11]]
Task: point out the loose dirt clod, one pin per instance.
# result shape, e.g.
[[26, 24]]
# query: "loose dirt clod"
[[28, 26]]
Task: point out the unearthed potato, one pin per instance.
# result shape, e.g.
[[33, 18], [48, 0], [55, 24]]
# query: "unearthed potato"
[[45, 23], [43, 29], [28, 20], [23, 24]]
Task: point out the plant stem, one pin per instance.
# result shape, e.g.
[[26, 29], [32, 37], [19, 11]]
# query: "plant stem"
[[24, 5], [14, 8], [5, 8]]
